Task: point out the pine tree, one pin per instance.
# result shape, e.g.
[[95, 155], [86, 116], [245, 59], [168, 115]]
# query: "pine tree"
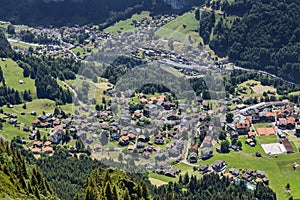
[[107, 191], [145, 191]]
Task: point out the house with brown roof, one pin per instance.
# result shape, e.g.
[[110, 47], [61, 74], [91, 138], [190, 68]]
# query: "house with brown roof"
[[36, 150], [36, 123], [48, 149], [123, 140], [290, 123], [243, 127]]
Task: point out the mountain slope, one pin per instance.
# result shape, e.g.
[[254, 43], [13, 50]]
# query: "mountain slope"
[[16, 180], [5, 48], [263, 35]]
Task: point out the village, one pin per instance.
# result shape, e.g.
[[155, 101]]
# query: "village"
[[154, 130]]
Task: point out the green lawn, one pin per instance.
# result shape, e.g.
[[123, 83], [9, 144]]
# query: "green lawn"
[[13, 74], [267, 139], [161, 177], [247, 148], [278, 170], [9, 131], [22, 45], [175, 30], [124, 25]]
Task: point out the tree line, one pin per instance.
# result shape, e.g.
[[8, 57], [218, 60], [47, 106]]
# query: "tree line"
[[211, 186]]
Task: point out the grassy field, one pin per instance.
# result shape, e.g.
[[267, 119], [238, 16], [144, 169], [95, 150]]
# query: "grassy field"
[[278, 169], [124, 25], [13, 74], [161, 177], [157, 182], [21, 45], [267, 139], [175, 30], [254, 88]]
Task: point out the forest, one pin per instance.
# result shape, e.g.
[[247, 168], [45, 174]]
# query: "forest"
[[70, 12], [262, 35], [18, 180]]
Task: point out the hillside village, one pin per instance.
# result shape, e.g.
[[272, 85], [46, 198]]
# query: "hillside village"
[[156, 130]]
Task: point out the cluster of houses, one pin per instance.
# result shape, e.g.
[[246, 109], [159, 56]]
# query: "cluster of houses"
[[280, 115], [155, 21], [248, 175], [39, 147]]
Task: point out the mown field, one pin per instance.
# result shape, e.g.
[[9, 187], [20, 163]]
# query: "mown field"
[[175, 29], [124, 25], [13, 74], [278, 169]]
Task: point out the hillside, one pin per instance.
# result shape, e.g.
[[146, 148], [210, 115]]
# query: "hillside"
[[64, 12], [262, 35], [5, 48], [17, 179]]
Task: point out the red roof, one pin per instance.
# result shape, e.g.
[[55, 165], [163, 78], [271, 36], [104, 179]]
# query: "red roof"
[[290, 120]]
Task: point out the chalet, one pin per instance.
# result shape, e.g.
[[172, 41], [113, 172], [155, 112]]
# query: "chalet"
[[14, 116], [246, 177], [48, 149], [36, 150], [290, 123], [243, 127], [13, 121], [229, 175], [138, 113], [251, 134], [140, 145], [219, 165], [265, 180], [42, 118], [56, 135], [38, 144], [168, 105], [193, 157], [234, 171], [171, 173], [143, 138], [26, 128], [281, 123], [205, 105], [131, 136], [249, 172], [203, 169], [260, 174], [115, 136], [159, 140], [206, 153], [47, 143], [124, 141], [32, 136]]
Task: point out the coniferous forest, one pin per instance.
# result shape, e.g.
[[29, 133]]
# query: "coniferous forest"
[[256, 34]]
